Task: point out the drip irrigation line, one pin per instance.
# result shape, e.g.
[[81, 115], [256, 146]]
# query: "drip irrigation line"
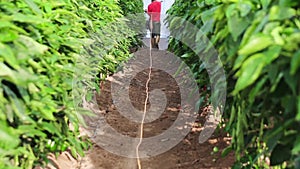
[[145, 109]]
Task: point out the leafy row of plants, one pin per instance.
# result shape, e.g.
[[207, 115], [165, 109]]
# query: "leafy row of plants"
[[134, 12], [258, 42], [131, 7], [42, 45]]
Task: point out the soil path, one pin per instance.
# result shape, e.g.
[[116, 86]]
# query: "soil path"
[[188, 154]]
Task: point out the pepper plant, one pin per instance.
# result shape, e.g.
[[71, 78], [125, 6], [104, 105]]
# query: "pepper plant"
[[41, 42], [258, 42]]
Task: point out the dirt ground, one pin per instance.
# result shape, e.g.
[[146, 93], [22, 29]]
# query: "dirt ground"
[[188, 154]]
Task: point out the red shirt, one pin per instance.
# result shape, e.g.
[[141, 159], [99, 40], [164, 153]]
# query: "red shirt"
[[154, 11]]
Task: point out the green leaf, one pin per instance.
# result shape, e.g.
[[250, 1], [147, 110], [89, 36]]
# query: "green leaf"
[[30, 131], [210, 2], [207, 15], [9, 113], [5, 71], [272, 53], [276, 35], [17, 105], [277, 80], [33, 7], [291, 81], [249, 72], [288, 102], [245, 8], [239, 61], [7, 24], [207, 27], [33, 46], [295, 63], [232, 116], [257, 24], [265, 3], [237, 25], [273, 72], [9, 139], [273, 140], [298, 109], [278, 130], [28, 18], [257, 43], [226, 151], [42, 111], [8, 35], [296, 148], [280, 154], [281, 13], [50, 128], [254, 92], [8, 55]]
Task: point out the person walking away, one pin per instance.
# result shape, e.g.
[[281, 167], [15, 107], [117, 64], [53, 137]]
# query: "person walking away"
[[154, 10]]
